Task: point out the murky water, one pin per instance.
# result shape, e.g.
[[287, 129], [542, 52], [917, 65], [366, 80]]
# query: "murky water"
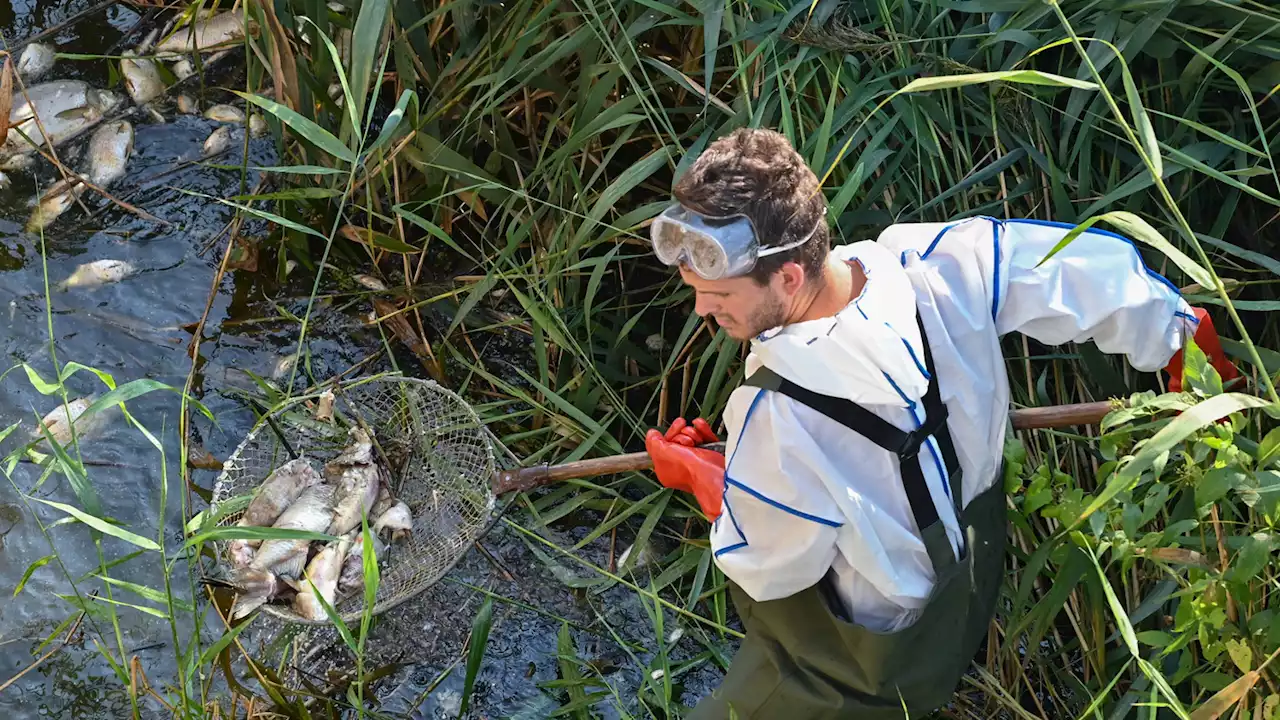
[[135, 329]]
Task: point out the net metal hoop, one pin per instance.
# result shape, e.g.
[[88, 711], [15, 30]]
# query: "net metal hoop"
[[442, 465]]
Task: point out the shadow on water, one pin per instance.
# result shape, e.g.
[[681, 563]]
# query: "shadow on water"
[[137, 328]]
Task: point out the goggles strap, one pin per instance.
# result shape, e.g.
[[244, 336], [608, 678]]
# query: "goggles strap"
[[782, 248]]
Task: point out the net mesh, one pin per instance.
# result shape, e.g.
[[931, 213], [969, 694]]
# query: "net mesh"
[[441, 463]]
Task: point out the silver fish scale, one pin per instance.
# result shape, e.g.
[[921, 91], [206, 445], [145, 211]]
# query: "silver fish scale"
[[442, 465]]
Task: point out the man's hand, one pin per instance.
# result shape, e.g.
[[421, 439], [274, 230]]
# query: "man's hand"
[[1206, 338], [680, 465]]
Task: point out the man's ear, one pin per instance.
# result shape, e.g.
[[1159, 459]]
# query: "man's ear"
[[791, 276]]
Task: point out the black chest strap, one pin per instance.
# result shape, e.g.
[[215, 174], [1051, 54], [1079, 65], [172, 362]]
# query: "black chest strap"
[[906, 445]]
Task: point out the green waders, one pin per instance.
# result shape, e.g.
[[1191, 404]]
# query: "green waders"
[[803, 658]]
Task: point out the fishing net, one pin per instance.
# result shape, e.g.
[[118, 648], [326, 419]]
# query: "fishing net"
[[440, 458]]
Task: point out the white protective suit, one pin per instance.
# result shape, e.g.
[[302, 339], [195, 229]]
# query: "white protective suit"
[[804, 494]]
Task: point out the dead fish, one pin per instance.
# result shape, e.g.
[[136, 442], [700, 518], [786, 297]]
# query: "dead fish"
[[109, 151], [141, 78], [371, 282], [356, 492], [359, 452], [352, 577], [5, 181], [383, 503], [255, 587], [257, 125], [283, 366], [187, 105], [56, 200], [65, 107], [223, 112], [323, 572], [218, 142], [183, 69], [98, 272], [59, 420], [280, 490], [398, 519], [36, 61], [313, 511], [221, 29], [17, 162], [241, 551], [144, 47]]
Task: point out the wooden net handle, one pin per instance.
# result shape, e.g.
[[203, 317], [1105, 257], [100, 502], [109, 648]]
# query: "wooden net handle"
[[506, 481]]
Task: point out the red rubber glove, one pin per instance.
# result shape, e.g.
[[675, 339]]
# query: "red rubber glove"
[[1206, 338], [682, 466]]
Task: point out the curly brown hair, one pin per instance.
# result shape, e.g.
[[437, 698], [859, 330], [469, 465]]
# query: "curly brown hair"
[[758, 173]]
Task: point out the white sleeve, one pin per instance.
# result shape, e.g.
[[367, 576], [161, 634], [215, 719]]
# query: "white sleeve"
[[1097, 288], [776, 534]]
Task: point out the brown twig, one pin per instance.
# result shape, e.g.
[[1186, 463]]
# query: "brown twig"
[[65, 641]]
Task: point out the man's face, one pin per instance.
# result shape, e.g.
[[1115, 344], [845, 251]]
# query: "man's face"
[[742, 307]]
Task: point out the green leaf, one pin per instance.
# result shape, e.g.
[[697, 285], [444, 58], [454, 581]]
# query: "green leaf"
[[379, 240], [31, 569], [365, 37], [475, 650], [1154, 638], [1139, 229], [1269, 447], [1024, 77], [394, 119], [1178, 429], [315, 134], [40, 384], [1252, 558], [1141, 121], [302, 193], [237, 532], [1216, 484], [101, 525], [353, 112], [220, 644], [269, 216]]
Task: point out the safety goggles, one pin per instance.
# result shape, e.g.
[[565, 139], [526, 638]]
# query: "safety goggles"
[[715, 248]]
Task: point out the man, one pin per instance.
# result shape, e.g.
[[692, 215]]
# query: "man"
[[859, 514]]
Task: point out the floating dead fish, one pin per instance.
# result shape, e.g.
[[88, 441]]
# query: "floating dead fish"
[[371, 282], [352, 577], [257, 125], [218, 142], [313, 511], [183, 69], [98, 272], [283, 366], [187, 105], [398, 519], [145, 46], [223, 112], [141, 78], [280, 490], [65, 107], [221, 29], [56, 200], [4, 181], [322, 572], [15, 163], [59, 420], [109, 151], [36, 61]]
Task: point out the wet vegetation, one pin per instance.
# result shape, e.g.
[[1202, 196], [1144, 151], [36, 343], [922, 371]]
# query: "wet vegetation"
[[477, 178]]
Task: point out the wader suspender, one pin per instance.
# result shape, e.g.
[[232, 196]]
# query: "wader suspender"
[[906, 445]]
